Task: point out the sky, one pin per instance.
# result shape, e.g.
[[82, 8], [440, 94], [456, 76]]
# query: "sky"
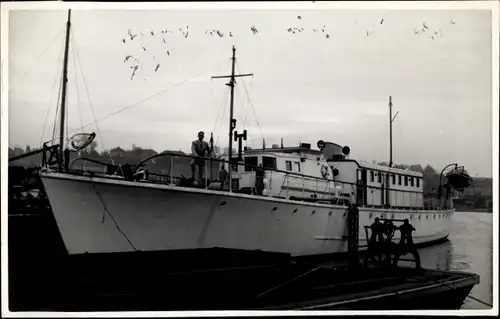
[[332, 85]]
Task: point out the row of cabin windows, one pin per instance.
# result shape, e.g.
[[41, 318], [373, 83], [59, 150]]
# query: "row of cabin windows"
[[253, 161], [289, 166], [412, 181]]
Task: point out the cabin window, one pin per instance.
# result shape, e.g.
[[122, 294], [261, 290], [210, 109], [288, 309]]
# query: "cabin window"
[[249, 162], [379, 177], [411, 182], [268, 162], [393, 177], [399, 179], [418, 182], [406, 180], [288, 165], [372, 176], [297, 164]]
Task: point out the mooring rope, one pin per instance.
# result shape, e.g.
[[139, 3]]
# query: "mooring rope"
[[106, 210], [468, 296]]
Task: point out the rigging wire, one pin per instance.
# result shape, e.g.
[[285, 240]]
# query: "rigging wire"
[[251, 104], [67, 121], [75, 50], [402, 142], [42, 54], [57, 110], [223, 115], [152, 96], [245, 112], [52, 91], [220, 112], [76, 84]]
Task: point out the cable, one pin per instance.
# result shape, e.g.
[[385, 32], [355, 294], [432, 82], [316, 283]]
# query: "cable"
[[42, 54], [221, 111], [75, 50], [245, 112], [106, 210], [76, 83], [151, 96], [468, 296], [57, 110], [251, 104], [51, 95]]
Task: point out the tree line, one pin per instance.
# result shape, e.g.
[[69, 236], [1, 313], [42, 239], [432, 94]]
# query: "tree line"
[[479, 193]]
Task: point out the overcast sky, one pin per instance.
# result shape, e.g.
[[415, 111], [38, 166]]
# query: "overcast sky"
[[306, 86]]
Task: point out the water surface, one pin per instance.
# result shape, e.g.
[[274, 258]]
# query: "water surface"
[[469, 249]]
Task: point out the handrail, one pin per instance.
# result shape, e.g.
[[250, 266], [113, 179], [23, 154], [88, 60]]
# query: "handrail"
[[339, 187], [288, 175], [169, 153]]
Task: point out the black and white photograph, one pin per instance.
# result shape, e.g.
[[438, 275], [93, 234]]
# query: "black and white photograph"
[[249, 157]]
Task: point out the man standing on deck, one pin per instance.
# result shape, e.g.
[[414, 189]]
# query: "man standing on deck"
[[259, 179], [222, 177], [199, 148]]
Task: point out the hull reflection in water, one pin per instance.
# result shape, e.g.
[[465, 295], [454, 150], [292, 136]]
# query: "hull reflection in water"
[[100, 215]]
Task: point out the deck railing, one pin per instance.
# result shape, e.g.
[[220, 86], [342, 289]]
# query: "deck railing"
[[323, 188]]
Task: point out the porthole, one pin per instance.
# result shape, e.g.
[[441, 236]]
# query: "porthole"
[[427, 216], [295, 210], [313, 212], [275, 208], [223, 203], [371, 215]]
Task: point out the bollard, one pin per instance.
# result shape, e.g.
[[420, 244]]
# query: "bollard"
[[353, 235]]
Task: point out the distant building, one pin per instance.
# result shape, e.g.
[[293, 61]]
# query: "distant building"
[[117, 152]]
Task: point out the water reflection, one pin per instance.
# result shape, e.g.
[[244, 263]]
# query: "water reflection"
[[469, 249], [437, 257]]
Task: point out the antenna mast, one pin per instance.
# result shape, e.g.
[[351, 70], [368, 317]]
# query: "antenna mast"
[[232, 121], [391, 119], [63, 97]]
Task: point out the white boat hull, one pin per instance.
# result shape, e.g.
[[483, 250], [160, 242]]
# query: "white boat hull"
[[102, 215]]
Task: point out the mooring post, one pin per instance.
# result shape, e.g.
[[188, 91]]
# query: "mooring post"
[[353, 235]]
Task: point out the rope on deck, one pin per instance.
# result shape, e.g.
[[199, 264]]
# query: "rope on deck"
[[287, 282], [468, 296]]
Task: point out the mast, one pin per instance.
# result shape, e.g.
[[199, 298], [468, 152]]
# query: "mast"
[[391, 119], [390, 131], [387, 179], [232, 121], [63, 97]]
